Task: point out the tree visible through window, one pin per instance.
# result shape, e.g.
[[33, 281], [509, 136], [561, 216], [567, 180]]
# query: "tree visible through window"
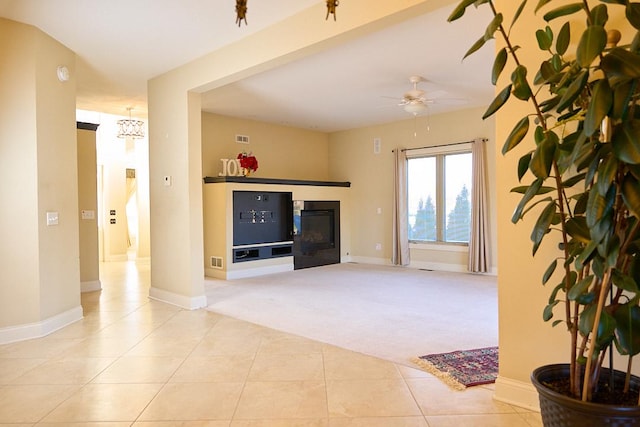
[[439, 204]]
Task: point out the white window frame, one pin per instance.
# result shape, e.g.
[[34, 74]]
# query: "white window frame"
[[439, 152]]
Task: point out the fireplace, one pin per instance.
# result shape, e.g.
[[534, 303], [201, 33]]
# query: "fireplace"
[[316, 233]]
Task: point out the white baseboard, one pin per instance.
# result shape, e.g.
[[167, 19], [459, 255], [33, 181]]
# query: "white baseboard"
[[40, 329], [189, 303], [414, 264], [215, 273], [454, 268], [370, 260], [90, 286], [518, 393], [259, 271]]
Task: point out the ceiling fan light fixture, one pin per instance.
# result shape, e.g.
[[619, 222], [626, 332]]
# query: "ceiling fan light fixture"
[[415, 107]]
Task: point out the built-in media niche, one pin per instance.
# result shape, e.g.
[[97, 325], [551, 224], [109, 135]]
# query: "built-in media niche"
[[262, 225]]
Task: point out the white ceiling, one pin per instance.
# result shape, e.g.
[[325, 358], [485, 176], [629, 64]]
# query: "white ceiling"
[[122, 43]]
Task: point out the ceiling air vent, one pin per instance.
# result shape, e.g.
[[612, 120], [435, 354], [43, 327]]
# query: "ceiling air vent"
[[242, 139], [216, 262]]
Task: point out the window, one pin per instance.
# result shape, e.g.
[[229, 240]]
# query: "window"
[[439, 197]]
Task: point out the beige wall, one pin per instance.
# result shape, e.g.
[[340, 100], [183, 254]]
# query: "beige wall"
[[40, 263], [283, 152], [88, 201], [351, 158]]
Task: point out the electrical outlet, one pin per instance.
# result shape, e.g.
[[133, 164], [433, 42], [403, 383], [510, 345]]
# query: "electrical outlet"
[[378, 246]]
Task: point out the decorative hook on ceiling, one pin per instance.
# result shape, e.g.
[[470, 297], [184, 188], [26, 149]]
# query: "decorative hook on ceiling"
[[331, 8], [241, 12]]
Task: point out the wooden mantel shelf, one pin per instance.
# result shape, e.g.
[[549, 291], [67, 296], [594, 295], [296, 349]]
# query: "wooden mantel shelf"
[[253, 180]]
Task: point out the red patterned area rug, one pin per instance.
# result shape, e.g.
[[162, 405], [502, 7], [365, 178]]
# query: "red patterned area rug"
[[464, 368]]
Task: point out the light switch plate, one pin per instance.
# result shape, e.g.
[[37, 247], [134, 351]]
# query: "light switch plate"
[[52, 218], [87, 214]]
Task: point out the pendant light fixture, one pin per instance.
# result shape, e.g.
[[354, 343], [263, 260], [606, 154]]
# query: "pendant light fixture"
[[130, 128]]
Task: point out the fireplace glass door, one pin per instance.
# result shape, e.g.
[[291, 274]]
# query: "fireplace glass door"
[[316, 233]]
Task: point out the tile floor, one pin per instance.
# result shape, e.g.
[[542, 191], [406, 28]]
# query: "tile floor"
[[136, 362]]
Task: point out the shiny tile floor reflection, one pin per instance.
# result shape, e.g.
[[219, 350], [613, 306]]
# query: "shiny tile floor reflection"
[[136, 362]]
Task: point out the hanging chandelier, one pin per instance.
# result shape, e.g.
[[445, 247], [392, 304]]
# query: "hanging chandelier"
[[241, 10], [129, 128]]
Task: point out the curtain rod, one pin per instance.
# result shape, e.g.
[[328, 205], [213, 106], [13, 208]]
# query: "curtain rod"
[[441, 145]]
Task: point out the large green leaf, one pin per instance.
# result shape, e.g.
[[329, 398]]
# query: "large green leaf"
[[624, 282], [601, 102], [477, 45], [586, 254], [521, 89], [620, 66], [631, 194], [549, 271], [460, 9], [570, 182], [596, 207], [606, 326], [541, 228], [522, 189], [628, 329], [528, 195], [498, 65], [579, 288], [577, 228], [517, 135], [562, 11], [592, 44], [547, 314], [549, 104], [493, 26], [540, 4], [545, 38], [626, 142], [633, 14], [543, 156], [523, 165], [575, 88], [545, 73], [621, 99], [607, 174], [599, 15], [564, 38], [517, 14], [498, 102]]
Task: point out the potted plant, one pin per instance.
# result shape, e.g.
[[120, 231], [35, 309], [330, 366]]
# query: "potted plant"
[[581, 176]]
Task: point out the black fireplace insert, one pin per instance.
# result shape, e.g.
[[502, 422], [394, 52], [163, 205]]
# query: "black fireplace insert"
[[316, 233]]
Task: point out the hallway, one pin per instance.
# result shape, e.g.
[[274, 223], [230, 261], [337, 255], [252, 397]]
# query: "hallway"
[[136, 362]]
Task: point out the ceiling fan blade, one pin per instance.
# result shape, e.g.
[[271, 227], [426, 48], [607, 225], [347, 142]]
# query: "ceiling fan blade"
[[447, 101]]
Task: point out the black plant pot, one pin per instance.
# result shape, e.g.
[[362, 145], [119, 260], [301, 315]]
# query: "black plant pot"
[[558, 410]]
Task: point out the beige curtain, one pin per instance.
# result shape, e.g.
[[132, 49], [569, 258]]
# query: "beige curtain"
[[400, 242], [478, 241]]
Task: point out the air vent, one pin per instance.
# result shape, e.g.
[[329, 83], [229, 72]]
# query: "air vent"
[[216, 262], [242, 139]]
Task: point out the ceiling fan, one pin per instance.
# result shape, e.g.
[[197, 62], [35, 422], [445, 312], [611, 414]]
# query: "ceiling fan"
[[415, 100]]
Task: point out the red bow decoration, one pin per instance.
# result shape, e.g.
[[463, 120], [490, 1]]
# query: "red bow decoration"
[[248, 161]]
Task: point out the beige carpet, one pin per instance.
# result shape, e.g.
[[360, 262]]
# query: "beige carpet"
[[389, 312]]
